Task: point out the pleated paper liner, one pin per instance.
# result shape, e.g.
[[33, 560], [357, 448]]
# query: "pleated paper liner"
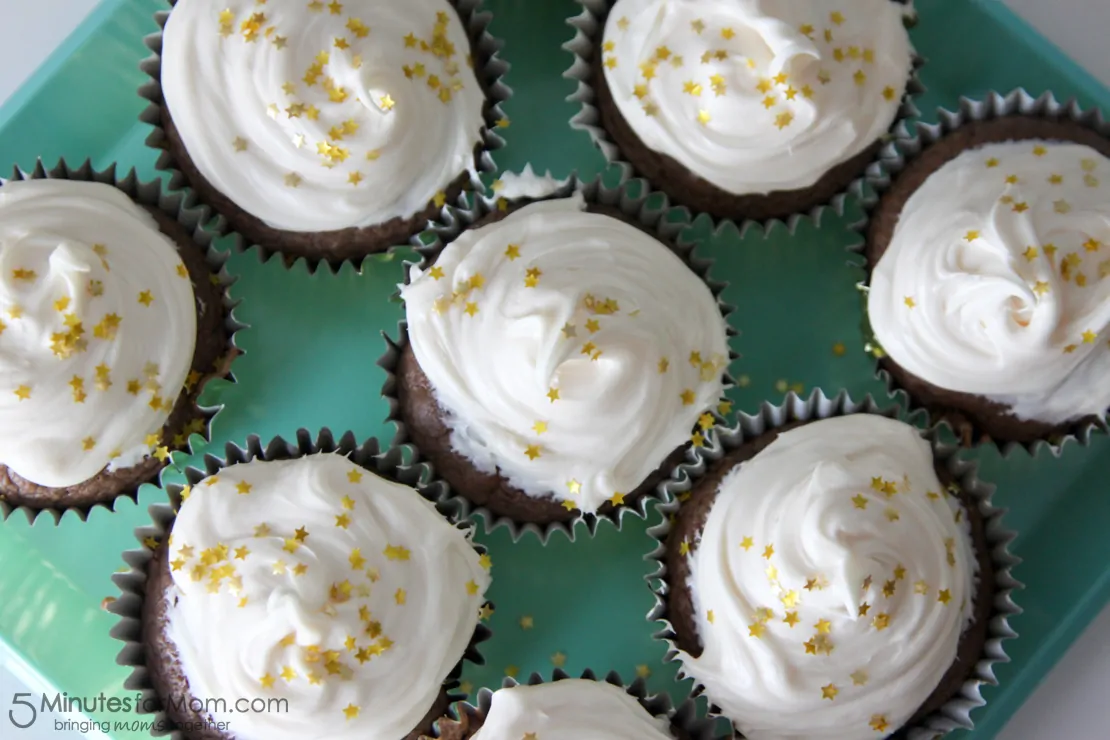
[[639, 205], [589, 26], [684, 718], [956, 712], [490, 70], [174, 206], [910, 142], [391, 465]]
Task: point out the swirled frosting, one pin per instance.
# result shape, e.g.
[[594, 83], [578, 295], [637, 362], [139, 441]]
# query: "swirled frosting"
[[315, 116], [757, 96], [315, 581], [97, 330], [570, 351], [832, 581], [996, 281], [571, 709]]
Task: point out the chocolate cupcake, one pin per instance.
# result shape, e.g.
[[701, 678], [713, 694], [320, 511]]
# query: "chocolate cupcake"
[[846, 553], [570, 709], [558, 358], [111, 320], [740, 110], [327, 131], [988, 255], [340, 598]]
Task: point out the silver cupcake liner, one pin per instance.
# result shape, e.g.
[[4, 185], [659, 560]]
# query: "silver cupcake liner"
[[194, 220], [485, 47], [589, 25], [955, 714], [685, 716], [909, 143], [634, 199], [132, 583]]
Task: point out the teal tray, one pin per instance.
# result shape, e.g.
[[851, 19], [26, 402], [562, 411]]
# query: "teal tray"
[[795, 300]]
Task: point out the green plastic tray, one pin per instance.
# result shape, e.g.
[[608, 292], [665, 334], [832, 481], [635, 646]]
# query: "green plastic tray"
[[313, 341]]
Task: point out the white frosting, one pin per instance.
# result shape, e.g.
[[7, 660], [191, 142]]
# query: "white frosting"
[[354, 600], [571, 709], [757, 96], [997, 280], [527, 184], [550, 371], [97, 330], [315, 116], [858, 522]]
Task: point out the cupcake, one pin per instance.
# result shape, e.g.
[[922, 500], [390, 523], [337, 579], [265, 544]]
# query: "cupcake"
[[570, 709], [326, 130], [835, 578], [742, 110], [558, 357], [110, 320], [311, 583], [989, 257]]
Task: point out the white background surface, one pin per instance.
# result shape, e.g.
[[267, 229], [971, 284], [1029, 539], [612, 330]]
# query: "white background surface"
[[1073, 702]]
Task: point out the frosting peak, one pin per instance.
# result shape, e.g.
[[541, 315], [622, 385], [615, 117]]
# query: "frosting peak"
[[832, 582], [571, 351], [571, 709], [318, 117], [995, 281], [318, 582], [97, 329], [757, 96]]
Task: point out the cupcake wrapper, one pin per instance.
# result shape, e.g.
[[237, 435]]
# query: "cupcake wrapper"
[[684, 717], [909, 143], [132, 584], [485, 46], [175, 206], [956, 712], [634, 199], [589, 25]]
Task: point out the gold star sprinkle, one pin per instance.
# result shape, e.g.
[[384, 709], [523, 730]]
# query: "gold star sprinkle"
[[396, 552], [829, 692], [293, 180], [864, 608], [791, 619], [971, 236], [768, 551], [756, 630], [553, 395], [1040, 288], [782, 120], [352, 710], [532, 451], [399, 597], [881, 622], [944, 596], [1061, 206], [860, 501], [526, 622], [23, 392], [617, 499], [512, 252], [688, 397], [823, 626]]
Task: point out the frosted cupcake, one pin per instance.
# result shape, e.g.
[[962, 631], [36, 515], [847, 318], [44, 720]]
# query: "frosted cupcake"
[[829, 579], [325, 130], [558, 358], [989, 295], [110, 319], [567, 709], [750, 110], [338, 595]]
